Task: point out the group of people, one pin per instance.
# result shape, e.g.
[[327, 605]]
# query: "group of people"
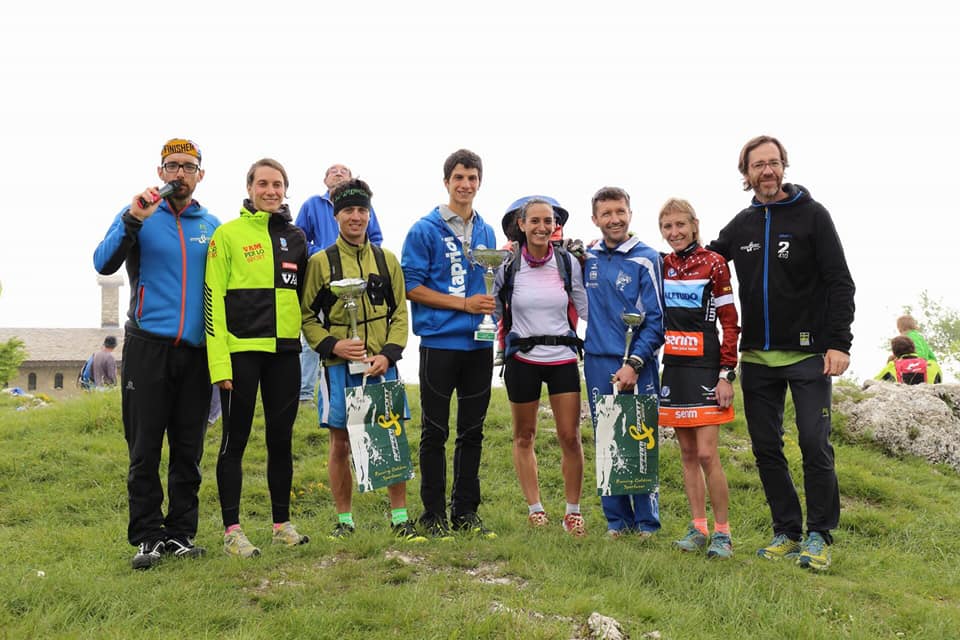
[[249, 304], [911, 360]]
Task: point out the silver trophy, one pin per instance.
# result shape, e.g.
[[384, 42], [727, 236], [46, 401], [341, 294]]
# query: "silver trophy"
[[633, 319], [491, 260], [349, 290]]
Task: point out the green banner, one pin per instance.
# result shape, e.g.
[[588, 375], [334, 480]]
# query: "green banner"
[[378, 439], [628, 444]]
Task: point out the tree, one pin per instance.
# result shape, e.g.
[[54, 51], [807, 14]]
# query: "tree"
[[12, 355], [940, 325]]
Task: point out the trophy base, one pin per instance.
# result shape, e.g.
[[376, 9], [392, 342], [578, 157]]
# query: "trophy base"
[[357, 368], [481, 335]]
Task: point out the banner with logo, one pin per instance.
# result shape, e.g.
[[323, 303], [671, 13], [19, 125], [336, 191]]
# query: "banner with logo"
[[378, 437], [627, 444]]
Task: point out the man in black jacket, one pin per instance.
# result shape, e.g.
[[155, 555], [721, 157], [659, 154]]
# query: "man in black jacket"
[[796, 300]]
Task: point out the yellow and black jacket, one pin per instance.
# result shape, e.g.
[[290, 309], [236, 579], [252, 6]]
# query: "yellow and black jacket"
[[325, 321], [253, 286]]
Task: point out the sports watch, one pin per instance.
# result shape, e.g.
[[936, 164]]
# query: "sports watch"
[[635, 363], [728, 374]]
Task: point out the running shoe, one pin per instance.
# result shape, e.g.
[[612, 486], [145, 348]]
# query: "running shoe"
[[574, 525], [779, 548], [341, 531], [436, 527], [407, 531], [182, 548], [538, 519], [814, 552], [148, 554], [471, 523], [287, 535], [236, 544], [720, 546], [693, 541]]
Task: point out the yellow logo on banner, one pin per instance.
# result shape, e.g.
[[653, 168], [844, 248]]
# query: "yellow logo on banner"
[[392, 423], [644, 433]]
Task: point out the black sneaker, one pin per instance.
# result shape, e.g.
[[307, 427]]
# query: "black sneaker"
[[341, 531], [436, 527], [148, 554], [182, 548], [407, 531], [471, 523]]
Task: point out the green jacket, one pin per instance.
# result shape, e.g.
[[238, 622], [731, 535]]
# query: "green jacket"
[[325, 320], [252, 287]]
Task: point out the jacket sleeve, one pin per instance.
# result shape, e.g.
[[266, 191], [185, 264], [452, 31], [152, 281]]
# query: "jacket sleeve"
[[415, 257], [373, 229], [215, 322], [577, 291], [722, 244], [839, 283], [726, 313], [399, 327], [650, 337], [319, 339], [116, 244], [305, 221]]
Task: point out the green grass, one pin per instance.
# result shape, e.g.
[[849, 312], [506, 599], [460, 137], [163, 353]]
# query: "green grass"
[[65, 569]]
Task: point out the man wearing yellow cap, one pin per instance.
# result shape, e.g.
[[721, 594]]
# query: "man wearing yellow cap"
[[161, 236]]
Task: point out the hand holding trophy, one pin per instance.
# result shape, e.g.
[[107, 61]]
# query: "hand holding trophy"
[[491, 260], [349, 290]]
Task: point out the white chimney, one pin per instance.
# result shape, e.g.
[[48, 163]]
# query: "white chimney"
[[110, 299]]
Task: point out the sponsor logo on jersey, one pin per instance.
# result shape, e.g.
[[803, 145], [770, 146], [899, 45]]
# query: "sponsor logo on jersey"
[[622, 281], [683, 343], [750, 247], [253, 252], [283, 244], [458, 272]]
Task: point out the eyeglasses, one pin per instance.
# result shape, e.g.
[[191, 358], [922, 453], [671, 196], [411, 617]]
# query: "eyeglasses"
[[776, 165], [173, 167]]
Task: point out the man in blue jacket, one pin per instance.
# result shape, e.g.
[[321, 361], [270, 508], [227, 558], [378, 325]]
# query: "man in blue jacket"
[[449, 297], [622, 274], [318, 223], [164, 379], [796, 306]]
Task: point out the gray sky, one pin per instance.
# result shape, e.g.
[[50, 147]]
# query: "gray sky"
[[556, 98]]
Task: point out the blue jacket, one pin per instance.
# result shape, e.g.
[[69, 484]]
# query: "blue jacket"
[[318, 224], [627, 278], [433, 257], [166, 256]]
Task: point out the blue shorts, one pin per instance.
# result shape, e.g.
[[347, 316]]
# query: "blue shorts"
[[333, 414]]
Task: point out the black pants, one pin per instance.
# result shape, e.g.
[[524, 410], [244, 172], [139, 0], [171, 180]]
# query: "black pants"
[[278, 377], [441, 372], [165, 390], [764, 392]]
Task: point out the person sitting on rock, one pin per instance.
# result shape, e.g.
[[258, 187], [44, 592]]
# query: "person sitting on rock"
[[907, 367]]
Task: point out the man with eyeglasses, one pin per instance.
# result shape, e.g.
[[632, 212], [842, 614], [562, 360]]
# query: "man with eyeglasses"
[[318, 223], [164, 378], [796, 307]]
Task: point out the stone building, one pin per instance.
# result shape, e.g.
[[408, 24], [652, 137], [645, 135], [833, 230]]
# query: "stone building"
[[55, 356]]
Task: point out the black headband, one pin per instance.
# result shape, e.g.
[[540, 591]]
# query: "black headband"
[[351, 197]]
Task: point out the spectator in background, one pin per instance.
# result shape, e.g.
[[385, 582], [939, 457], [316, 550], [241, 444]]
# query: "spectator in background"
[[907, 367], [907, 326], [105, 365]]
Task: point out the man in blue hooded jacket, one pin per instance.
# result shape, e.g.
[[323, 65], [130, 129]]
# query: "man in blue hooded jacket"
[[165, 385], [449, 297]]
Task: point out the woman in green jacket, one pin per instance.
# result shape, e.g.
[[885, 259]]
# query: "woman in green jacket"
[[252, 290]]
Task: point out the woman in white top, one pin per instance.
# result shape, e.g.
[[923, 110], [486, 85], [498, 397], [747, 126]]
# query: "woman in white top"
[[534, 295]]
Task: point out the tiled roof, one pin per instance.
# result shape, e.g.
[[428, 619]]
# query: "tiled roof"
[[53, 345]]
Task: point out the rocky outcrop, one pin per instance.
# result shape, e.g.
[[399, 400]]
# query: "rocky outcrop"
[[921, 420]]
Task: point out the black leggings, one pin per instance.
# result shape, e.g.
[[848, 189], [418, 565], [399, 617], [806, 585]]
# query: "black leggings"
[[278, 376]]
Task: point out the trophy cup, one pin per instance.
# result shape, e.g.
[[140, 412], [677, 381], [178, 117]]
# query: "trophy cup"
[[349, 290], [631, 319], [491, 260]]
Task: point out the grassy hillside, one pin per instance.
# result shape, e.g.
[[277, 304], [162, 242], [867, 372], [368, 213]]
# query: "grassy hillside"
[[65, 570]]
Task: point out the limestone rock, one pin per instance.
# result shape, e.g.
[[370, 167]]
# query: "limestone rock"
[[921, 420]]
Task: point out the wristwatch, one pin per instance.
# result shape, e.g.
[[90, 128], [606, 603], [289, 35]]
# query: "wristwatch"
[[728, 374], [635, 363]]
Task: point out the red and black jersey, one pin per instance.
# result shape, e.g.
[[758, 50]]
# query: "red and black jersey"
[[696, 292]]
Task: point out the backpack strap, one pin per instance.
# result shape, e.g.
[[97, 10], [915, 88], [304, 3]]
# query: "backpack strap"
[[385, 274]]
